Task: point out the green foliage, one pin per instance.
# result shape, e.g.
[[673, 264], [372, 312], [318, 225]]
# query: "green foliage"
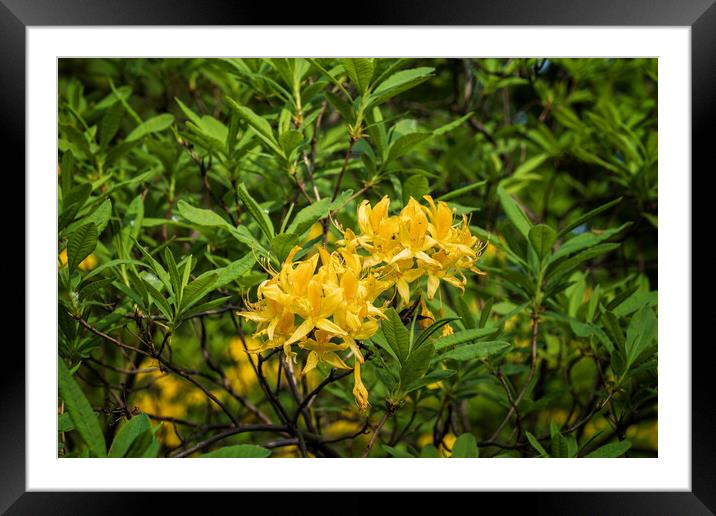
[[81, 414], [238, 451], [465, 447], [185, 183]]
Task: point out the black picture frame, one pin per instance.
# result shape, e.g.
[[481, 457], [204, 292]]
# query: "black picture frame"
[[699, 15]]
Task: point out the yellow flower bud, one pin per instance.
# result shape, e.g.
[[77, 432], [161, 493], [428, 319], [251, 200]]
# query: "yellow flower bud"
[[359, 390]]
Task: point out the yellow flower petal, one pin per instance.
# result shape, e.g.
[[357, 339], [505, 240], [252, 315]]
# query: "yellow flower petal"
[[304, 328], [328, 326]]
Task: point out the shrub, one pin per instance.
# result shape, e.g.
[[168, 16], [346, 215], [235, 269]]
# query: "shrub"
[[357, 257]]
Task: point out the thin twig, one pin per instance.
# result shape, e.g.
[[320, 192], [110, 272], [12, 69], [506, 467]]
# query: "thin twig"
[[376, 432], [533, 363], [343, 169]]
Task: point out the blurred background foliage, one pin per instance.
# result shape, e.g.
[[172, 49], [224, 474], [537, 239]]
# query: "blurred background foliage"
[[569, 145]]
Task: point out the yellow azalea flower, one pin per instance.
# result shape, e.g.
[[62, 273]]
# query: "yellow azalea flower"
[[419, 241], [359, 391], [426, 316], [309, 305], [370, 219], [321, 305], [413, 235], [322, 349]]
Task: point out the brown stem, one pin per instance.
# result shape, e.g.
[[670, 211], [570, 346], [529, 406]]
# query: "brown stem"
[[535, 329], [166, 364], [374, 437], [343, 169]]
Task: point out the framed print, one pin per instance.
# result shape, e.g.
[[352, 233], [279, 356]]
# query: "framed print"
[[367, 247]]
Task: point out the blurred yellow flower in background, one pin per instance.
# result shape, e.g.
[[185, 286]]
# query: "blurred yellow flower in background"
[[87, 264]]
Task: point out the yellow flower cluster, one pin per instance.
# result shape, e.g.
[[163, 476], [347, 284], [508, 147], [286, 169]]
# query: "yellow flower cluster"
[[333, 301], [329, 300]]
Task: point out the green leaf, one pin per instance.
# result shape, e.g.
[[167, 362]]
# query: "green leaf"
[[415, 187], [530, 165], [557, 270], [465, 447], [205, 307], [416, 364], [80, 411], [100, 217], [238, 451], [402, 145], [196, 119], [213, 130], [112, 264], [243, 235], [560, 447], [282, 245], [640, 334], [131, 224], [461, 191], [153, 125], [486, 310], [308, 216], [536, 445], [588, 216], [81, 244], [452, 125], [360, 71], [586, 240], [312, 213], [175, 278], [479, 350], [514, 212], [432, 377], [76, 197], [635, 301], [429, 452], [198, 288], [159, 300], [146, 445], [611, 450], [67, 173], [259, 215], [379, 340], [333, 77], [64, 423], [127, 434], [396, 335], [460, 337], [201, 216], [290, 140], [234, 270], [430, 330], [161, 273], [342, 106], [397, 453], [397, 83], [259, 124], [542, 238], [110, 124], [88, 289]]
